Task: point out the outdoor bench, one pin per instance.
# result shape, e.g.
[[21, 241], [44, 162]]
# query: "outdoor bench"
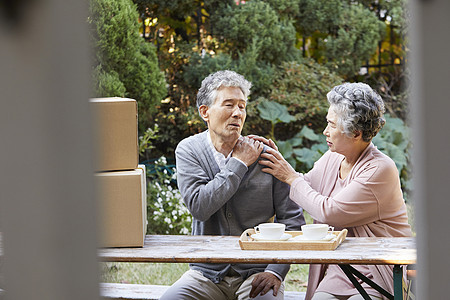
[[124, 291]]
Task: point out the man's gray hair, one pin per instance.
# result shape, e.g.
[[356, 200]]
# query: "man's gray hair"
[[208, 91], [358, 108]]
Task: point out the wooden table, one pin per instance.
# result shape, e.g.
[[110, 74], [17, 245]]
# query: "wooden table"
[[225, 249]]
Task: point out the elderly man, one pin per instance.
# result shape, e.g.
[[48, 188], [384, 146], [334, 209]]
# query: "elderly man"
[[224, 189]]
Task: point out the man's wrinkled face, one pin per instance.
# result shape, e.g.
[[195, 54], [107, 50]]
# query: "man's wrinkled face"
[[226, 116]]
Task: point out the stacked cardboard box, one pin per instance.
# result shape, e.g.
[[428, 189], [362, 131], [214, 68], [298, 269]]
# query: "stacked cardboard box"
[[121, 182]]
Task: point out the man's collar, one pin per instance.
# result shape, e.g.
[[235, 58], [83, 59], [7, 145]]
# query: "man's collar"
[[212, 144]]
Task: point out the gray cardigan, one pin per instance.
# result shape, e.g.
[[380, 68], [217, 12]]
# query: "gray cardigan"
[[231, 200]]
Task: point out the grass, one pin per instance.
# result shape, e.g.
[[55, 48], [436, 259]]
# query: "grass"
[[168, 273], [142, 273]]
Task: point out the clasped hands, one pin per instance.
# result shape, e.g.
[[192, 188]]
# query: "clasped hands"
[[247, 150], [274, 162]]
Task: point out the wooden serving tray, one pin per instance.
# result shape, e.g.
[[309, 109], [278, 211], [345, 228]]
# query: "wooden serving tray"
[[248, 243]]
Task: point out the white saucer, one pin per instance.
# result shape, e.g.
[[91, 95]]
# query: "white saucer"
[[328, 237], [258, 237]]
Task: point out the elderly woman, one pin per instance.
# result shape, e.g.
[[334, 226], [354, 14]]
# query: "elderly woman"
[[353, 186]]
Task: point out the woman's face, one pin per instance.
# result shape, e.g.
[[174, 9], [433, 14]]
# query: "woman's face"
[[337, 141]]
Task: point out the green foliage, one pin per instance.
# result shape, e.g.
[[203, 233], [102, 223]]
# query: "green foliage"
[[258, 72], [398, 15], [146, 140], [107, 83], [301, 87], [174, 125], [175, 7], [317, 15], [304, 149], [124, 65], [395, 12], [256, 38], [289, 9], [393, 86], [259, 39], [166, 212], [256, 24], [145, 83], [200, 67], [394, 141], [275, 113], [354, 41], [342, 35], [114, 32]]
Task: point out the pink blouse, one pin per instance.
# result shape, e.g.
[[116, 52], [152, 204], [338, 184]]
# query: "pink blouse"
[[368, 202]]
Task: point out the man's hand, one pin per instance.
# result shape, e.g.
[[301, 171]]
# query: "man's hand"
[[247, 150], [264, 282]]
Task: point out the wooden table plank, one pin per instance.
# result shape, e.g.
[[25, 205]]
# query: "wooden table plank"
[[225, 249]]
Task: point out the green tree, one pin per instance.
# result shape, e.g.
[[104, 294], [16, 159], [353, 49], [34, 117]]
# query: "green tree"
[[340, 34], [124, 65], [260, 73], [394, 12], [302, 87], [256, 24], [317, 16], [354, 40], [259, 39]]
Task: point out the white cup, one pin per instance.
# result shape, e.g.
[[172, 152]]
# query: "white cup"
[[270, 231], [316, 231]]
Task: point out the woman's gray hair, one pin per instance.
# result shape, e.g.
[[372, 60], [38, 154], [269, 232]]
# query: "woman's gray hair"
[[358, 108], [208, 91]]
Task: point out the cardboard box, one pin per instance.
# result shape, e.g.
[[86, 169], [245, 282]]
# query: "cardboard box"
[[116, 134], [144, 195], [122, 208]]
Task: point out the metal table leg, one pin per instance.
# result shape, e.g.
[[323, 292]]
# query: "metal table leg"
[[398, 278], [352, 272], [348, 272]]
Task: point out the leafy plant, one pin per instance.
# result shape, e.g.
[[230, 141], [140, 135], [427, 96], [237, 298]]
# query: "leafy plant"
[[107, 83], [394, 141], [146, 140], [275, 113], [166, 212], [302, 87], [305, 148]]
